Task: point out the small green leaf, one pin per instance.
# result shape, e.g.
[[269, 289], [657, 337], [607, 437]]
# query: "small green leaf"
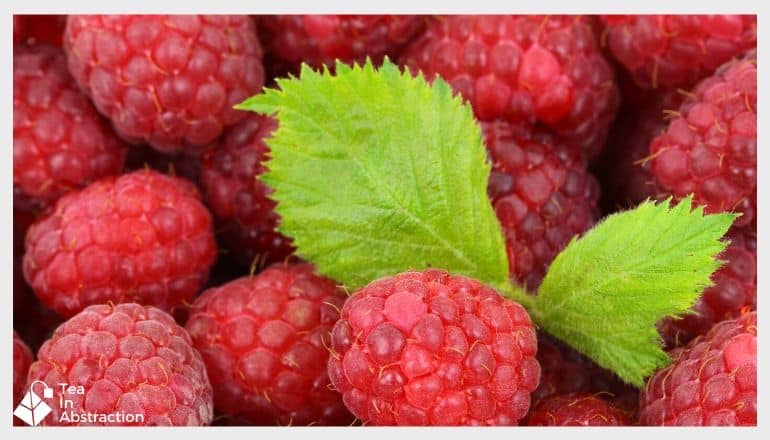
[[606, 291], [376, 172]]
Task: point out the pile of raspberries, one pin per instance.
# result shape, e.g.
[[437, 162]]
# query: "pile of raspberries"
[[149, 274]]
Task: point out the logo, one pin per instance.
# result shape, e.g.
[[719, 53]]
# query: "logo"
[[32, 409]]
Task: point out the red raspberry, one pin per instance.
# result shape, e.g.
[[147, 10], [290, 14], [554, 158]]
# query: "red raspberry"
[[565, 371], [535, 69], [734, 289], [238, 199], [264, 339], [429, 348], [321, 39], [35, 29], [712, 381], [129, 359], [710, 147], [672, 51], [60, 143], [142, 237], [170, 80], [576, 409], [22, 359], [542, 195]]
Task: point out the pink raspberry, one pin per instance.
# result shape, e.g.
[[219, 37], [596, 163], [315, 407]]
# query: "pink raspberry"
[[576, 409], [711, 382], [710, 147], [129, 359], [429, 348], [240, 201], [60, 143], [321, 39], [542, 193], [672, 51], [546, 70], [169, 80], [264, 339], [141, 237]]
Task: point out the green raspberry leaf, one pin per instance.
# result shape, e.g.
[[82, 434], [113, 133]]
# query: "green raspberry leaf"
[[606, 291], [376, 172]]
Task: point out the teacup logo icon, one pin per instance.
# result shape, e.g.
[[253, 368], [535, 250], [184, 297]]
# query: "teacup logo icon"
[[32, 409]]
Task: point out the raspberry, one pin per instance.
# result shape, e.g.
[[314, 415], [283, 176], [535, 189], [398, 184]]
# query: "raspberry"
[[710, 147], [22, 359], [712, 381], [321, 39], [672, 51], [170, 80], [429, 348], [237, 199], [129, 359], [565, 371], [576, 409], [60, 143], [734, 289], [545, 70], [542, 194], [141, 237], [264, 340]]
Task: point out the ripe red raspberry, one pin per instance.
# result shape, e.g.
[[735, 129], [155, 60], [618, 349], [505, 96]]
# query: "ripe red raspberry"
[[710, 147], [712, 381], [734, 289], [170, 80], [22, 359], [36, 28], [321, 39], [429, 348], [542, 194], [264, 339], [237, 199], [545, 70], [565, 371], [60, 143], [131, 360], [576, 409], [672, 51], [141, 237]]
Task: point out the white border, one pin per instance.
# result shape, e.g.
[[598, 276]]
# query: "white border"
[[373, 6]]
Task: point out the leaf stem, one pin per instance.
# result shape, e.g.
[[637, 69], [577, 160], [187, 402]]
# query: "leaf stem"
[[511, 291]]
